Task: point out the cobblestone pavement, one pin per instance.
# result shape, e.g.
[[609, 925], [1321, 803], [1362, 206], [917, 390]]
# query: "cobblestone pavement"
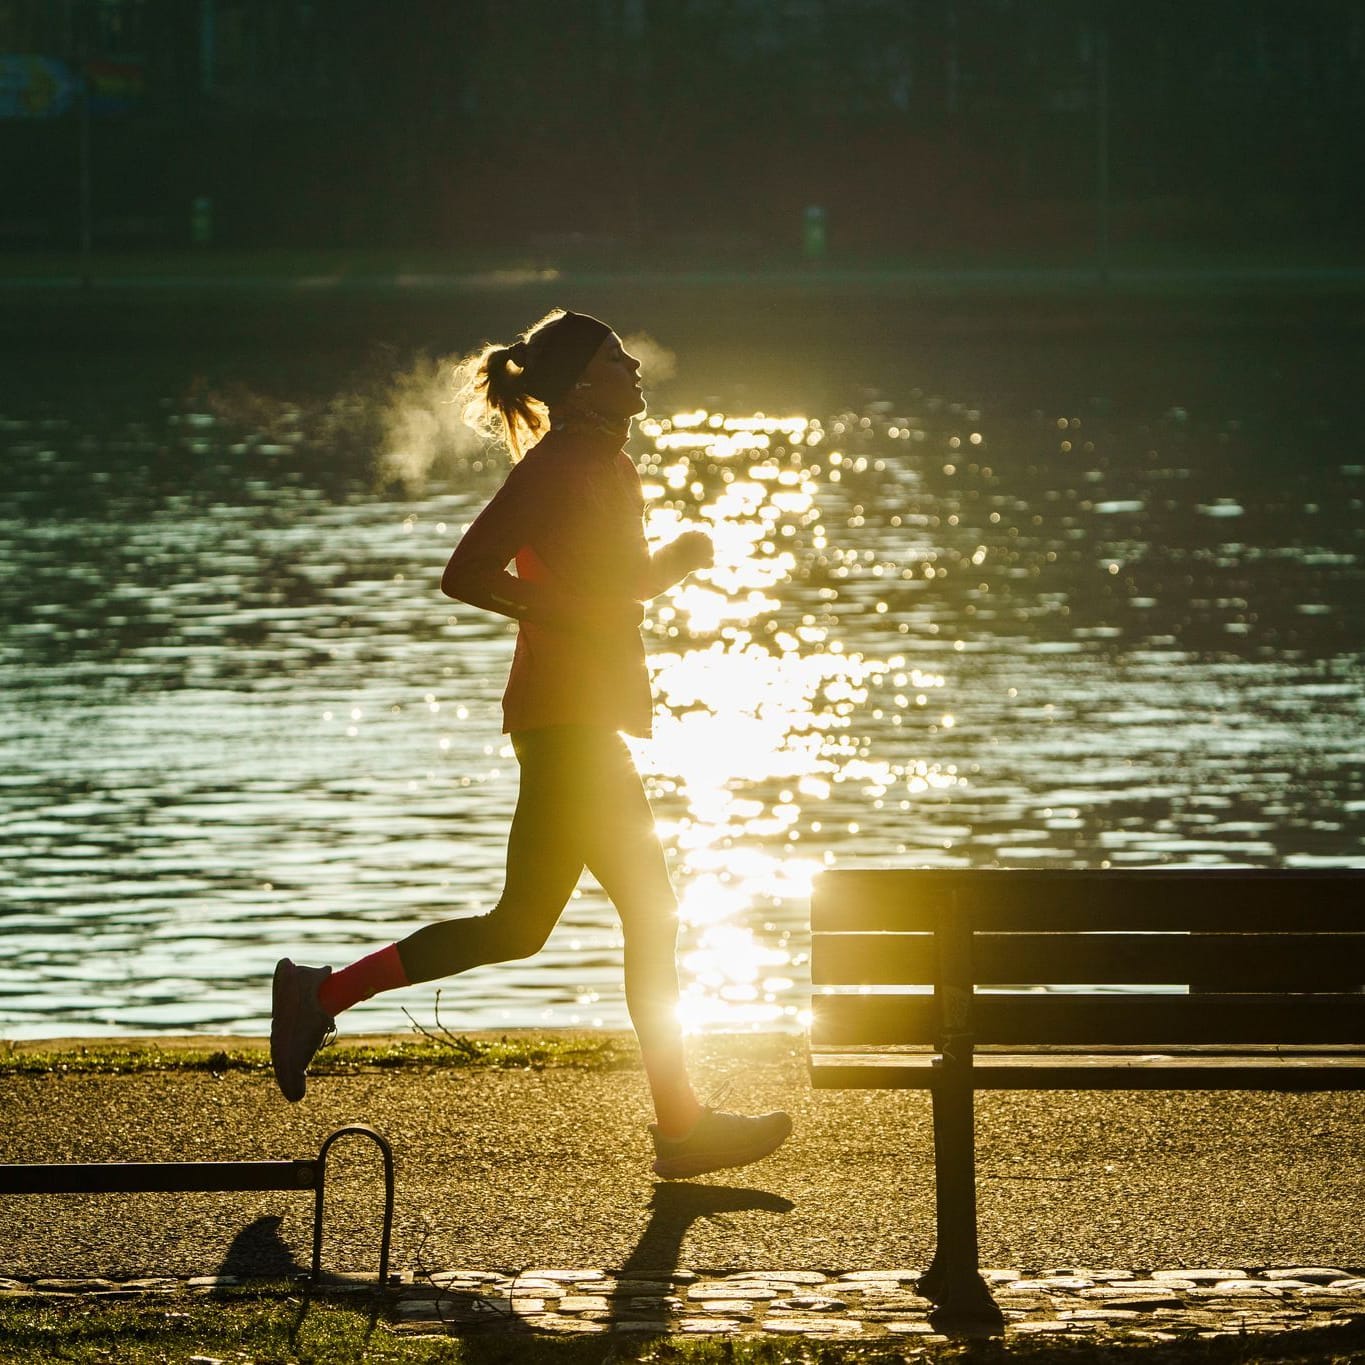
[[1162, 1305]]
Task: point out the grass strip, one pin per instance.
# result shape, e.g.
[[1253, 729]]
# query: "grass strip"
[[284, 1324], [436, 1047], [508, 1053]]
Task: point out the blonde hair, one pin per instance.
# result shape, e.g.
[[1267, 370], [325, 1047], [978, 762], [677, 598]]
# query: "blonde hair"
[[490, 385]]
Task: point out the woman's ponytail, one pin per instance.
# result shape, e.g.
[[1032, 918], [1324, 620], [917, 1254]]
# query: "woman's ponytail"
[[492, 384]]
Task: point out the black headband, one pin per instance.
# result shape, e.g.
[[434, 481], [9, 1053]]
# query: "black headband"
[[561, 353]]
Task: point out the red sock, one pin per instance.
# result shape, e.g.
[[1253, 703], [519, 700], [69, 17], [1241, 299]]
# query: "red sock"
[[381, 971]]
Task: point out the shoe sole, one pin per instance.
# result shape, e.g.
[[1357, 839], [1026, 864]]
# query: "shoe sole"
[[279, 1002], [681, 1168]]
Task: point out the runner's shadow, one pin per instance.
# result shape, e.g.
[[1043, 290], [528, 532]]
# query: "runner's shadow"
[[672, 1211]]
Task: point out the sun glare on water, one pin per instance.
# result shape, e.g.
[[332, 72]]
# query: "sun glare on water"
[[756, 695]]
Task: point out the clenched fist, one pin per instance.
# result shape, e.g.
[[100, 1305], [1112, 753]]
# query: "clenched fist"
[[692, 550]]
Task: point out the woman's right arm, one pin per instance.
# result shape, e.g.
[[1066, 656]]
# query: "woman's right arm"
[[477, 570]]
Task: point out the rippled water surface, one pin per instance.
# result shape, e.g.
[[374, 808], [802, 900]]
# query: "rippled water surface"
[[240, 720]]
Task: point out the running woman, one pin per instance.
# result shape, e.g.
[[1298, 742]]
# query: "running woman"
[[570, 514]]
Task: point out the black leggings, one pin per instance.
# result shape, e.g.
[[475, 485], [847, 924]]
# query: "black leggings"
[[581, 804]]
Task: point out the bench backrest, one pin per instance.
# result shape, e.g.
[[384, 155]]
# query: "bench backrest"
[[909, 956]]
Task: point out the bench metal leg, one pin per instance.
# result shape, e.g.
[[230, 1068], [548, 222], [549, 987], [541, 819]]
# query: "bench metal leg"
[[360, 1130], [953, 1279]]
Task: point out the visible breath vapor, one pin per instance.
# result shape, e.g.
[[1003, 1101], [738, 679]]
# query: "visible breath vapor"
[[423, 422], [412, 419], [657, 363]]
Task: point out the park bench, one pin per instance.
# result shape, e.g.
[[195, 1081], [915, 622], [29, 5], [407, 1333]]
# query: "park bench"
[[145, 1177], [1232, 979]]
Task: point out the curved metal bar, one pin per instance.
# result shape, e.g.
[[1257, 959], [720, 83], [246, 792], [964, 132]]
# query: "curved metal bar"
[[360, 1130]]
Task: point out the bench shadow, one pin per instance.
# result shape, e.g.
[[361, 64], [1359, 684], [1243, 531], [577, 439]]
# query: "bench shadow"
[[259, 1252]]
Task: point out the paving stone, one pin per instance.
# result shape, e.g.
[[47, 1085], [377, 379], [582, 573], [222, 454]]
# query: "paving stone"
[[1000, 1276], [735, 1308], [1137, 1303], [583, 1303], [472, 1276], [810, 1303], [567, 1276], [1099, 1314], [1047, 1285], [909, 1327], [1145, 1285], [1153, 1292], [1045, 1325], [1202, 1276], [555, 1322], [71, 1286], [1313, 1274], [418, 1308], [813, 1326], [898, 1276], [784, 1277], [882, 1304], [463, 1312], [630, 1288], [727, 1290], [649, 1303], [708, 1326]]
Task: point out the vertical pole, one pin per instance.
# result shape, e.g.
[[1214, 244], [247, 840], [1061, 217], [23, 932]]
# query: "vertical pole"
[[1102, 141], [953, 1281]]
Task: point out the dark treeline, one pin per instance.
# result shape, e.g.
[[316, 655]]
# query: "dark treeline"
[[699, 127]]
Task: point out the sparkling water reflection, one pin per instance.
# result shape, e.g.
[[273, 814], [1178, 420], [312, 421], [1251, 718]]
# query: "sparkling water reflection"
[[241, 720]]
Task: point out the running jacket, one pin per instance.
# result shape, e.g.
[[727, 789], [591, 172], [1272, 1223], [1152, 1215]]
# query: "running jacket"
[[571, 515]]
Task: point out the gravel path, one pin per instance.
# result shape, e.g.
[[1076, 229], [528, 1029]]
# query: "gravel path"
[[505, 1171]]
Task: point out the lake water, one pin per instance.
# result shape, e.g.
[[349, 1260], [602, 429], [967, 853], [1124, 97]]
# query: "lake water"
[[241, 721]]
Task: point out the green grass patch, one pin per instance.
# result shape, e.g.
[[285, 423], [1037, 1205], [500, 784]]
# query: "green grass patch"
[[279, 1324], [426, 1047], [510, 1053]]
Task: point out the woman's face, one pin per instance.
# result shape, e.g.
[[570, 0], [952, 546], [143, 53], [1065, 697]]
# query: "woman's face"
[[610, 383]]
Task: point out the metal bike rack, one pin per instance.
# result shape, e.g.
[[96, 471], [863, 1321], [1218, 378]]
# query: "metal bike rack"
[[173, 1177]]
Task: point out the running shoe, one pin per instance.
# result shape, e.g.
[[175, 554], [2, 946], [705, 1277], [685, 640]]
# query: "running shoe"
[[298, 1025], [719, 1140]]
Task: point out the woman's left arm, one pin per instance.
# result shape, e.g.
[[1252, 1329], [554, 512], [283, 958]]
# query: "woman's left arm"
[[671, 564]]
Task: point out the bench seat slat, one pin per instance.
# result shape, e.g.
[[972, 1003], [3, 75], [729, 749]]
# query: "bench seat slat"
[[1241, 962], [1183, 1070], [1153, 899], [1086, 1019], [126, 1177]]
